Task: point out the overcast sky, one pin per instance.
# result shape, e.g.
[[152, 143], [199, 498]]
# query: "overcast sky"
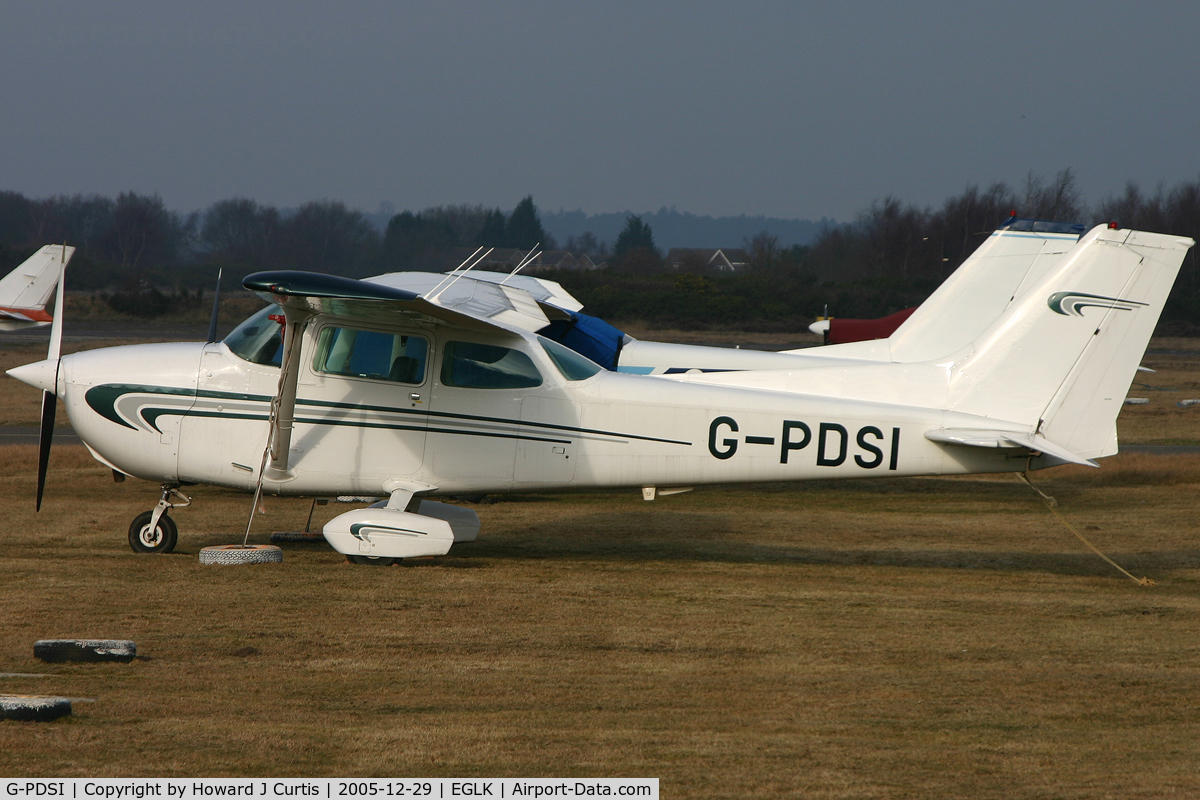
[[784, 109]]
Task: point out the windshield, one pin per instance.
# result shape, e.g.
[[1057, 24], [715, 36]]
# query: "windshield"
[[258, 339], [573, 366]]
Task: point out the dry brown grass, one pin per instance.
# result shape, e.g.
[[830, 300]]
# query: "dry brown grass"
[[1177, 378], [898, 638]]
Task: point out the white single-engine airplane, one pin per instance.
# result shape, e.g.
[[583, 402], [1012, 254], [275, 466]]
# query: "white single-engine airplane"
[[411, 385], [25, 291]]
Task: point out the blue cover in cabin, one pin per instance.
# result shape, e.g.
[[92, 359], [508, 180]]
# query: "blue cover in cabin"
[[589, 336]]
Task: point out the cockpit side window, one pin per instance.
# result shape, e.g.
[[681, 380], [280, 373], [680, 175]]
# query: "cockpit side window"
[[487, 366], [258, 339], [371, 354]]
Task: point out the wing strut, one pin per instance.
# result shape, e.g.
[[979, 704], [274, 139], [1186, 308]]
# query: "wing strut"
[[283, 408]]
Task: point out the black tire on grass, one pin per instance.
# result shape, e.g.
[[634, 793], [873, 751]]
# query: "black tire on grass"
[[29, 708], [61, 651]]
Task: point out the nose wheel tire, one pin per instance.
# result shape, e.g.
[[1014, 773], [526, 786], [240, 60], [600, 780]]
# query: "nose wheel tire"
[[160, 540]]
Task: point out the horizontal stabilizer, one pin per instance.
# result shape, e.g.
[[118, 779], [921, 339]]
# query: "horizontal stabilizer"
[[971, 437]]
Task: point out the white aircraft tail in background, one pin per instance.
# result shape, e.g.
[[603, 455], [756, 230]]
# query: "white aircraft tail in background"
[[25, 291]]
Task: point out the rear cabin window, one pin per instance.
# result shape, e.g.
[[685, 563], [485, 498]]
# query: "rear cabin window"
[[370, 354], [486, 366], [259, 339]]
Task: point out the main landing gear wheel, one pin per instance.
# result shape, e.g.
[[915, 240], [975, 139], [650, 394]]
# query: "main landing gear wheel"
[[373, 561], [161, 539]]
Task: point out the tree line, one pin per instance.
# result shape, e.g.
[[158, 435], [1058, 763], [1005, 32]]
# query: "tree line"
[[150, 259], [891, 257], [137, 237]]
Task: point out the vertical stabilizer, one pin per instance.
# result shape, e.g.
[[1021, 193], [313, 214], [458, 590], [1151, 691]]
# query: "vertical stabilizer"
[[997, 274], [1063, 355], [30, 285], [978, 292]]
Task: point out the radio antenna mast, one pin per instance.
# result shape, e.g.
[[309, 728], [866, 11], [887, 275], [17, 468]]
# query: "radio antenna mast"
[[534, 253]]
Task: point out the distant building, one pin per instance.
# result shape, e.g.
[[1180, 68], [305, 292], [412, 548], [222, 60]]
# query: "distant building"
[[707, 259], [506, 259]]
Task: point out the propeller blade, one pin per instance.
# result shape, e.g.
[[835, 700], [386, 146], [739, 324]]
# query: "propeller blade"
[[212, 323], [50, 399], [59, 312], [49, 408]]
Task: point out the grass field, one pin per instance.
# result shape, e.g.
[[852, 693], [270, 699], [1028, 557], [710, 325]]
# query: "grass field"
[[904, 638], [899, 638]]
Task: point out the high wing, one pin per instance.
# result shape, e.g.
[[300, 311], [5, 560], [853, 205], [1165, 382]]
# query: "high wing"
[[462, 303], [463, 298], [550, 295]]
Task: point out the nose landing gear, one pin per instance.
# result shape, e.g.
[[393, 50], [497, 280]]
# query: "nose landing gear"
[[153, 531]]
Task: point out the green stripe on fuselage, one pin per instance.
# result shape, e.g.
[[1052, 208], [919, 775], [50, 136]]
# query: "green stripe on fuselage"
[[102, 399]]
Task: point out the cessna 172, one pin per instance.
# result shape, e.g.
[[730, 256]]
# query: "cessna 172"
[[411, 385], [25, 291]]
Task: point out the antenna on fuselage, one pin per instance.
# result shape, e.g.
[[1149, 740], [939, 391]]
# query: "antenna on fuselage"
[[533, 253], [469, 260], [458, 273]]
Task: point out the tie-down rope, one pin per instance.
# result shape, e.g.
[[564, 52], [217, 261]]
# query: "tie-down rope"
[[1051, 503]]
